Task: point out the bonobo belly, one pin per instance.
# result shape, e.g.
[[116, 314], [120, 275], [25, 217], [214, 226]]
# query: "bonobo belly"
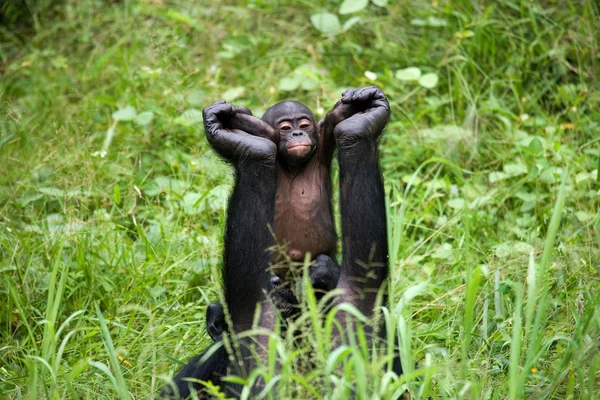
[[303, 219]]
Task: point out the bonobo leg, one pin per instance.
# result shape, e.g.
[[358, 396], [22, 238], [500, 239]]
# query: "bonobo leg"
[[247, 237], [362, 198]]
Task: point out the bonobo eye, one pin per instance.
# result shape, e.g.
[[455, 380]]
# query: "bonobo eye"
[[305, 124], [285, 126]]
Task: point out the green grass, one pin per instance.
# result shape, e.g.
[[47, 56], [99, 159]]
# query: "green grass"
[[107, 261]]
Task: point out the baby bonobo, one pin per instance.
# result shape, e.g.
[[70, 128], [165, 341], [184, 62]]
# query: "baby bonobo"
[[303, 213]]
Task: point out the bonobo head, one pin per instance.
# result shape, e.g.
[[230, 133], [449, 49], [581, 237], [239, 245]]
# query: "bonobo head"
[[297, 130]]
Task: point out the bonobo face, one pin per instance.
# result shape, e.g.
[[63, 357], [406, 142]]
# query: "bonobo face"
[[295, 124]]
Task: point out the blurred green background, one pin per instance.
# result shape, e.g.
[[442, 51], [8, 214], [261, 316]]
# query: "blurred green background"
[[112, 204]]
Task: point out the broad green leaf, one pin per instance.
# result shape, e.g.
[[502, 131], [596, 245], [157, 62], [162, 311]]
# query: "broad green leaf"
[[326, 22], [51, 191], [191, 203], [535, 146], [189, 117], [457, 204], [436, 22], [144, 119], [582, 216], [514, 169], [218, 197], [289, 83], [418, 22], [233, 93], [511, 248], [350, 6], [308, 84], [124, 114], [380, 3], [408, 74], [429, 80], [195, 98], [157, 291], [372, 76], [497, 176], [350, 23], [443, 252]]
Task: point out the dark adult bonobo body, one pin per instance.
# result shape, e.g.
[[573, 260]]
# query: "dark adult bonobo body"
[[364, 114]]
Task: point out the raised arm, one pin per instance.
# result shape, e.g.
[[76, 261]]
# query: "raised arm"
[[364, 233], [250, 212]]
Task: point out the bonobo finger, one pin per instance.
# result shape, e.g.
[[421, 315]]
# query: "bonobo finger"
[[238, 145], [244, 110], [347, 95], [254, 126], [212, 113], [368, 93], [340, 112]]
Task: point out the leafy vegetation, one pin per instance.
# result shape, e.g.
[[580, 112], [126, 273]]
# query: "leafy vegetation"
[[112, 204]]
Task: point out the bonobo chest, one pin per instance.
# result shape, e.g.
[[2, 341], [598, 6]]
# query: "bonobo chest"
[[303, 217]]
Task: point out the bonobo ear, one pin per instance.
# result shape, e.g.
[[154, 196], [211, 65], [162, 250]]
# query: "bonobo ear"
[[215, 321]]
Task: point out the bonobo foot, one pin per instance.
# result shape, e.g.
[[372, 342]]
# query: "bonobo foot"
[[215, 321], [324, 274]]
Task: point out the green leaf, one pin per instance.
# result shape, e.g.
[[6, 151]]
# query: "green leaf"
[[350, 6], [535, 146], [191, 203], [326, 22], [124, 114], [233, 93], [582, 216], [429, 81], [189, 117], [515, 169], [457, 204], [51, 191], [144, 119], [289, 83], [350, 23], [418, 22], [408, 74], [436, 22], [308, 84], [218, 197], [372, 76], [497, 176], [380, 3], [195, 98]]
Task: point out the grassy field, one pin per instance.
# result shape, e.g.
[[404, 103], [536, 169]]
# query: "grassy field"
[[112, 204]]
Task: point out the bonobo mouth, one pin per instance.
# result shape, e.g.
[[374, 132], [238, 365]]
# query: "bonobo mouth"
[[299, 151], [299, 145]]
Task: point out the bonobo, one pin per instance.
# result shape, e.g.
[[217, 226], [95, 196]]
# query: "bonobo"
[[363, 114], [303, 213]]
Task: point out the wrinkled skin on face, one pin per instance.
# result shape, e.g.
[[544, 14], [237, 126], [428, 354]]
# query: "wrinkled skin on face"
[[295, 125]]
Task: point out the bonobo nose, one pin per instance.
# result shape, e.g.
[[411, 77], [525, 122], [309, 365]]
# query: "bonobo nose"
[[297, 133]]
